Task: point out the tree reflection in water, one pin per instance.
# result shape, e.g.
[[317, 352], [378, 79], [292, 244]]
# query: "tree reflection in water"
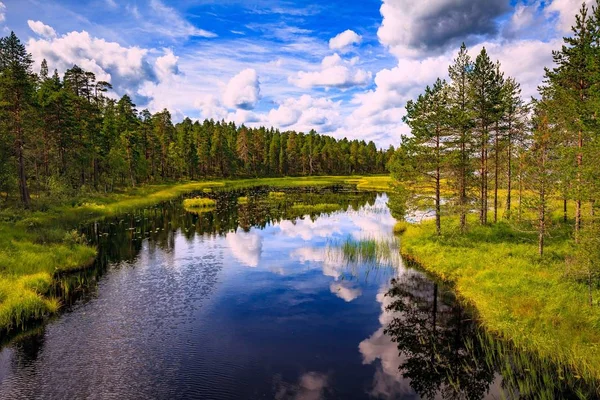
[[445, 354]]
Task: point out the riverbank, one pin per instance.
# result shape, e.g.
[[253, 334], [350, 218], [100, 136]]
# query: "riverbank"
[[523, 298], [37, 245]]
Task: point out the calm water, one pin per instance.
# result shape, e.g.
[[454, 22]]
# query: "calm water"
[[256, 301]]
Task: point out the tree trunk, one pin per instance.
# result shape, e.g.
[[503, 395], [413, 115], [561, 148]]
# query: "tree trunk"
[[438, 218], [509, 174], [463, 186], [482, 210], [496, 169], [23, 189], [578, 200]]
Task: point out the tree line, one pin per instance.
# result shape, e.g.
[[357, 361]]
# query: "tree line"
[[66, 133], [475, 141]]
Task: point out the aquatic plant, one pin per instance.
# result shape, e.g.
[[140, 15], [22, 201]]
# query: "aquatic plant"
[[243, 200], [277, 195], [199, 202], [316, 208]]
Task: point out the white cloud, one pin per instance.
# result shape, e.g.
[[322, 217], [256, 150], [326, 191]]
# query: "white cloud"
[[111, 3], [41, 29], [166, 65], [210, 107], [2, 12], [243, 90], [305, 113], [566, 10], [343, 40], [125, 67], [334, 72]]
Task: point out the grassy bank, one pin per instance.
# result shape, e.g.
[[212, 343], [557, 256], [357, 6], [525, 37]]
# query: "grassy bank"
[[520, 296], [36, 245]]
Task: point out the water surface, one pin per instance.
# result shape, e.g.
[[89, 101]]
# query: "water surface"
[[257, 301]]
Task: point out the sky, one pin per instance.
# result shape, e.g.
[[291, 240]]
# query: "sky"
[[345, 68]]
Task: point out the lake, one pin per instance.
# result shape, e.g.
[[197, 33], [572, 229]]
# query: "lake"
[[266, 298]]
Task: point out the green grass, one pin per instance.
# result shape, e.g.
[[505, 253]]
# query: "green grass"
[[36, 246], [518, 295], [199, 202]]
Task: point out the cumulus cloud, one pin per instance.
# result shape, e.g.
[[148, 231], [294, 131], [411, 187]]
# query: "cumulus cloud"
[[305, 113], [210, 107], [127, 68], [343, 40], [335, 72], [565, 11], [2, 12], [243, 90], [411, 27], [524, 17], [166, 65], [41, 29]]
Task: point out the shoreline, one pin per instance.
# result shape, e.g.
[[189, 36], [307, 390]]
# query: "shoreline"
[[525, 300], [38, 246]]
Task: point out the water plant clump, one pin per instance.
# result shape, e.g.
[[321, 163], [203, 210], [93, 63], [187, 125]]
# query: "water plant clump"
[[277, 195], [316, 208], [371, 250], [242, 200], [199, 202]]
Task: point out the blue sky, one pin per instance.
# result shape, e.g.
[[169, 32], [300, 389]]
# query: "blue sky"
[[344, 68]]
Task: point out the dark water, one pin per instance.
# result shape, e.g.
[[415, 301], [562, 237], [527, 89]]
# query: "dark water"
[[256, 301]]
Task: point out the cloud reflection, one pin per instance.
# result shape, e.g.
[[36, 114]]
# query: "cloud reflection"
[[388, 381], [345, 291], [246, 247], [310, 386]]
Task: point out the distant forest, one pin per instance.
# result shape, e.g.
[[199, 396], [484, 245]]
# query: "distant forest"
[[60, 134]]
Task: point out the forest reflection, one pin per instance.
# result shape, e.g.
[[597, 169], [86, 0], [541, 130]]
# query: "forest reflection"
[[444, 353]]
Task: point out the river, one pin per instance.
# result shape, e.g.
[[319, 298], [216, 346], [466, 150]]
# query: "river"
[[264, 299]]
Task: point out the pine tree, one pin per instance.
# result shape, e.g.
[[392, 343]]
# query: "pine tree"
[[461, 122], [570, 85], [483, 93], [423, 156], [16, 95]]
